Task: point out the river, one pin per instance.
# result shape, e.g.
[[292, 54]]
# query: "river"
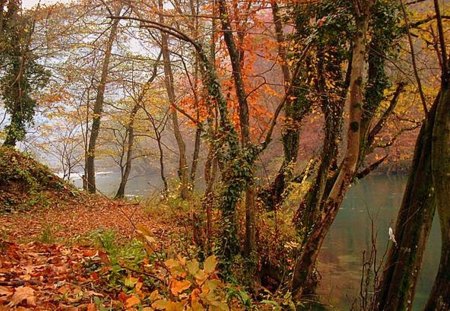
[[377, 198]]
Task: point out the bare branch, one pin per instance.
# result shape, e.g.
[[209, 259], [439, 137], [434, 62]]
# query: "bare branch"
[[413, 59], [377, 128]]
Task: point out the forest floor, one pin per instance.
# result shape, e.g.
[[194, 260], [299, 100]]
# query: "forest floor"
[[64, 249], [48, 260]]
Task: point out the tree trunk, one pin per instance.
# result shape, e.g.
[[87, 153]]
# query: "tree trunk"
[[398, 282], [208, 198], [130, 144], [303, 276], [195, 155], [440, 162], [244, 122], [295, 109], [183, 169], [158, 138], [98, 106]]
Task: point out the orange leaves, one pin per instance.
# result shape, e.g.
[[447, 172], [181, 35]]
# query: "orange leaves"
[[131, 302], [45, 276], [23, 295], [177, 287], [191, 287]]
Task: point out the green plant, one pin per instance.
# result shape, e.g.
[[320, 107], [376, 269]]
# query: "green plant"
[[47, 235], [121, 257]]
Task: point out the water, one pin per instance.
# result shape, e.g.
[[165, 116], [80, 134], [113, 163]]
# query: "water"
[[141, 185], [376, 197], [379, 198]]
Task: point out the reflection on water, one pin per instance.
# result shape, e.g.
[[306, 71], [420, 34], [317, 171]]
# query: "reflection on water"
[[376, 197]]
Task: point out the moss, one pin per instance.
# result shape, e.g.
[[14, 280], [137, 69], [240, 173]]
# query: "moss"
[[26, 183]]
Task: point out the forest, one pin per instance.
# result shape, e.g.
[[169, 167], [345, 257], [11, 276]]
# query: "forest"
[[225, 155]]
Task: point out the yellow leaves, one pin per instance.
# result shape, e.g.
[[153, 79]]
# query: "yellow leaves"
[[131, 302], [168, 305], [160, 304], [201, 277], [23, 295], [177, 287], [193, 267], [197, 306], [154, 296], [130, 281], [175, 268], [210, 264], [146, 237], [191, 287]]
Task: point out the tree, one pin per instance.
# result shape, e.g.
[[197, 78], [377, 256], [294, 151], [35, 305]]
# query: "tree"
[[397, 286], [98, 105], [21, 74], [440, 166], [127, 154], [297, 105], [183, 168], [320, 206]]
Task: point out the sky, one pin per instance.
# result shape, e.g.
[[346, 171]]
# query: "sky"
[[30, 3]]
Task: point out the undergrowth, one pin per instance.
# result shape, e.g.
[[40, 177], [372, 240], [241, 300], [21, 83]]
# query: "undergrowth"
[[26, 183]]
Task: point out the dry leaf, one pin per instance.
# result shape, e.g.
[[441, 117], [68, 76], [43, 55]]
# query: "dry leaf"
[[132, 301], [5, 291], [178, 287], [23, 294]]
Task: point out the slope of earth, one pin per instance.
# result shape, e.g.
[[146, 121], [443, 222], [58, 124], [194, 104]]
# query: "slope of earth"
[[25, 183]]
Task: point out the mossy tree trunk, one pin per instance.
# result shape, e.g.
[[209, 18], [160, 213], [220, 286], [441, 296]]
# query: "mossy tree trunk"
[[440, 163], [396, 288], [296, 107], [303, 275]]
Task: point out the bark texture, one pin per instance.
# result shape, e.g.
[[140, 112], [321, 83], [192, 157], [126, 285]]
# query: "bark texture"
[[398, 282], [440, 163], [98, 106], [303, 275]]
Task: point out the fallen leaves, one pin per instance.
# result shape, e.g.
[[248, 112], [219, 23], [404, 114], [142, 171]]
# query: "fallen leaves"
[[45, 277], [23, 295], [131, 302]]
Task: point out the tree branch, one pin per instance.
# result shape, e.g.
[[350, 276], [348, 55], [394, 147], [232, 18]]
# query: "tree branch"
[[445, 65], [377, 128], [370, 168], [413, 59]]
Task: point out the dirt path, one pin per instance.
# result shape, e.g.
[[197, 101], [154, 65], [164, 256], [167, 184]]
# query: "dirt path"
[[74, 222]]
